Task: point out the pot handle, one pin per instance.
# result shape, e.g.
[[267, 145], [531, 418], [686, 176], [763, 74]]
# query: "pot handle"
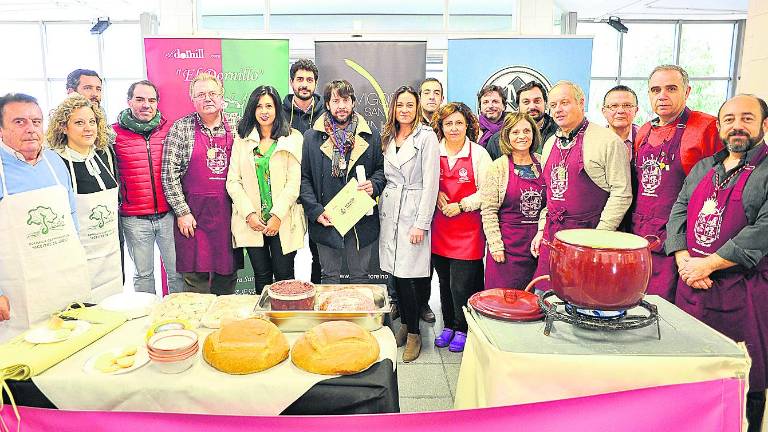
[[546, 243], [653, 241], [533, 282]]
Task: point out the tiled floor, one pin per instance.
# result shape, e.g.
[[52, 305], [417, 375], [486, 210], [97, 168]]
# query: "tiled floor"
[[429, 383]]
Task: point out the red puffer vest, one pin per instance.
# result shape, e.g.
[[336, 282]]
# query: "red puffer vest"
[[139, 163]]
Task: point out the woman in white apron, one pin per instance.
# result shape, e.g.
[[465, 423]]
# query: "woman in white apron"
[[78, 133]]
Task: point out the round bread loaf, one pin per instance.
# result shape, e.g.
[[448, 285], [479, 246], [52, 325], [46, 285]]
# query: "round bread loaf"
[[335, 348], [245, 346]]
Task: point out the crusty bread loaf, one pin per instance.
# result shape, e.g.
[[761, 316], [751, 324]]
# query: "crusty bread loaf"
[[245, 346], [335, 348]]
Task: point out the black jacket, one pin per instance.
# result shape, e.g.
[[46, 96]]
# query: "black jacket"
[[318, 187], [549, 129], [299, 119]]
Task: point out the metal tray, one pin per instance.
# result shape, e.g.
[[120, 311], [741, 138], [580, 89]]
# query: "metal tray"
[[303, 320]]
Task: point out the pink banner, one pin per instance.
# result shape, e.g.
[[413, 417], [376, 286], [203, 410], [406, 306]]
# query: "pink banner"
[[707, 406], [171, 65]]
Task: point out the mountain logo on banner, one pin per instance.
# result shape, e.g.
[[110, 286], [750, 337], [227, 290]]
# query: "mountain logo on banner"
[[512, 78]]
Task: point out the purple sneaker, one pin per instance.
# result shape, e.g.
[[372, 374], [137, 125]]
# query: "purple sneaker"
[[458, 341], [444, 339]]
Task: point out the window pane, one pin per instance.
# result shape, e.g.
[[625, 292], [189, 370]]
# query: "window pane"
[[605, 48], [231, 14], [70, 47], [115, 96], [707, 96], [705, 49], [482, 16], [597, 89], [56, 93], [123, 51], [355, 23], [644, 112], [25, 50], [645, 47], [33, 88]]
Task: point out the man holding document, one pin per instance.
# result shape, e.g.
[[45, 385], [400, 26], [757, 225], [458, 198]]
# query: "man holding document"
[[339, 149]]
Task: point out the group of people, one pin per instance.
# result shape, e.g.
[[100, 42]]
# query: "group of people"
[[470, 197]]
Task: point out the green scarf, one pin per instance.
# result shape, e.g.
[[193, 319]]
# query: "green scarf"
[[128, 121]]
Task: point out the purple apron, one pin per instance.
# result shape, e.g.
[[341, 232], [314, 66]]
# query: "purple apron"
[[204, 184], [737, 303], [660, 177], [573, 199], [518, 222]]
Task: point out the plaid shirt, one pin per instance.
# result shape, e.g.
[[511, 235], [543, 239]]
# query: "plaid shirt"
[[177, 151]]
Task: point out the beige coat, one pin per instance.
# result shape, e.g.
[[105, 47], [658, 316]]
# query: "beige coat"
[[243, 187]]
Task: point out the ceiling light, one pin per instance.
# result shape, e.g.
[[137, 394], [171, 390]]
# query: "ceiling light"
[[615, 22], [99, 25]]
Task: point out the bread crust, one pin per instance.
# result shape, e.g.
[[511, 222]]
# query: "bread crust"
[[245, 346], [335, 348]]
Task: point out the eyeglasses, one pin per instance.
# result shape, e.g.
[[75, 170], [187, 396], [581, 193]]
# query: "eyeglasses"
[[210, 94], [615, 107]]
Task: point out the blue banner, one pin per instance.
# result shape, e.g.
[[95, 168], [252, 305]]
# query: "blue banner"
[[510, 63]]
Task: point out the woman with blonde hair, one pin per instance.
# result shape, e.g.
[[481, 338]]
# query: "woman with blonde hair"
[[513, 196], [77, 131], [406, 207], [263, 181], [458, 243]]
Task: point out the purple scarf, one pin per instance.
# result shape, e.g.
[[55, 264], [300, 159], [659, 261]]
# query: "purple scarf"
[[489, 128]]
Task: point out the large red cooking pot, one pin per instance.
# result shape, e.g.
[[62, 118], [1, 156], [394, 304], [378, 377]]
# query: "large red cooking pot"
[[598, 269]]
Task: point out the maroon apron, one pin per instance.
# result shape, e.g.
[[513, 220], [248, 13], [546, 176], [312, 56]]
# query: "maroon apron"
[[459, 237], [737, 303], [660, 177], [573, 199], [204, 184], [518, 222]]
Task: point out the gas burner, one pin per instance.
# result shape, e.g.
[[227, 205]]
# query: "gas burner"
[[569, 314]]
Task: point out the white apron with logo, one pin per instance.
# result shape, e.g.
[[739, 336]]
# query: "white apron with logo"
[[42, 263], [97, 214]]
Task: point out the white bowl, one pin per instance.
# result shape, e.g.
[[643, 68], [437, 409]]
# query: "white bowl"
[[175, 367]]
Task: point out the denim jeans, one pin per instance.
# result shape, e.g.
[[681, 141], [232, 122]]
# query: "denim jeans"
[[141, 234], [358, 262]]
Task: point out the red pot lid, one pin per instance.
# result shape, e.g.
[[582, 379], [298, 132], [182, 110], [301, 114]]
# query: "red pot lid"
[[507, 304]]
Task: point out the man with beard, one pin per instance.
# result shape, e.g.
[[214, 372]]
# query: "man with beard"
[[531, 98], [301, 109], [431, 97], [492, 101], [619, 110], [666, 148], [586, 171], [717, 232], [339, 142]]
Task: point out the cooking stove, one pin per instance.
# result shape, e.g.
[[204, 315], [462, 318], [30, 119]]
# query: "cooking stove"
[[562, 311]]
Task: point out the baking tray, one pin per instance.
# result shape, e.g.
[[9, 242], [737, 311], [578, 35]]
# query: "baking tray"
[[303, 320]]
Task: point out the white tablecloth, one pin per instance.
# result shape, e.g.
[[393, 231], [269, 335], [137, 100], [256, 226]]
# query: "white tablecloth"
[[199, 390]]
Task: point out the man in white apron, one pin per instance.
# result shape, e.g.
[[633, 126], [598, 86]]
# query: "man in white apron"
[[42, 264]]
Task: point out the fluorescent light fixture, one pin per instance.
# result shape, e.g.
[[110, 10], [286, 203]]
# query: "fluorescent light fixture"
[[99, 25], [616, 23]]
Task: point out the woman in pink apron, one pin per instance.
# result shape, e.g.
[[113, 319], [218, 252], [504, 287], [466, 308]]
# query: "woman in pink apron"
[[513, 196], [660, 175], [458, 242]]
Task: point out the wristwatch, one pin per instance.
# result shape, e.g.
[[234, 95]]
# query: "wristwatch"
[[461, 209]]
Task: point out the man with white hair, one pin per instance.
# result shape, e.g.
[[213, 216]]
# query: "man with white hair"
[[586, 168], [196, 156]]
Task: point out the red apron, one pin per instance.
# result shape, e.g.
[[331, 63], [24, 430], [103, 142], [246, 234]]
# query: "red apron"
[[573, 199], [459, 237], [204, 185], [660, 177], [518, 222], [737, 303]]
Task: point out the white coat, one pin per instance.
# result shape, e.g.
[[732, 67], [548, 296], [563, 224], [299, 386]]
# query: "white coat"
[[408, 201]]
